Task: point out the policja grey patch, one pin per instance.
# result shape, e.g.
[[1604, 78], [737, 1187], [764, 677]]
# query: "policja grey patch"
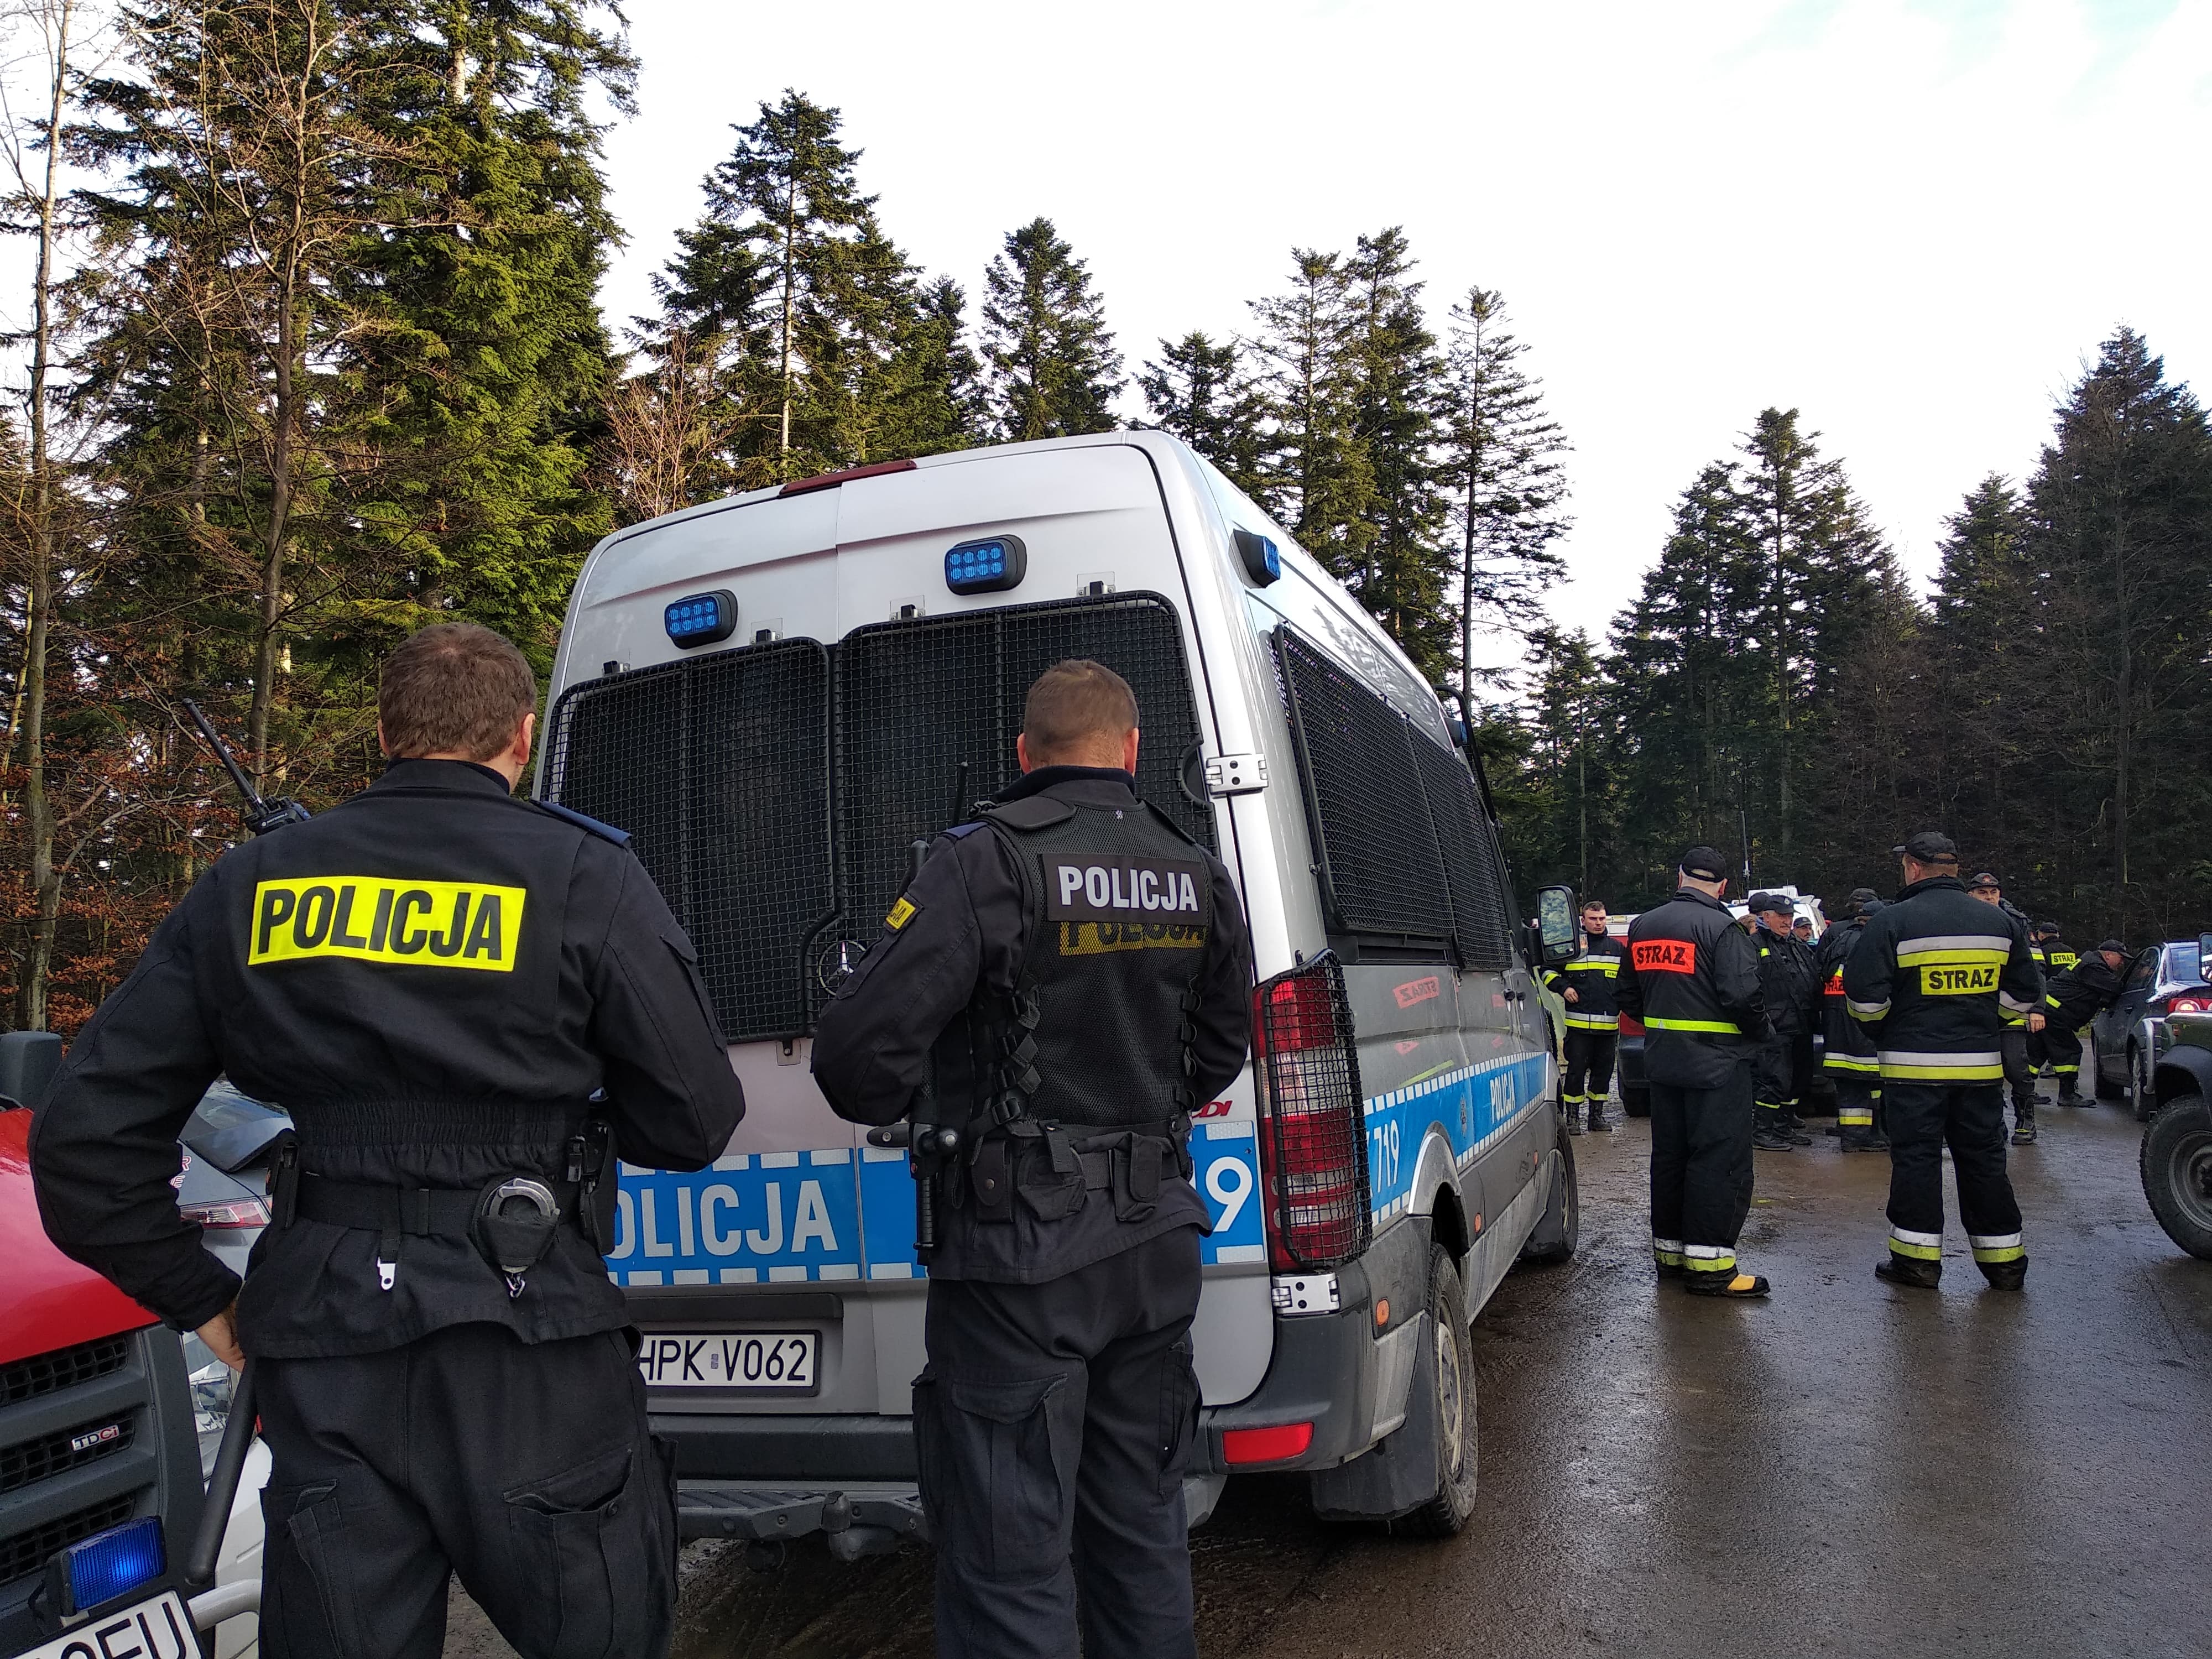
[[1112, 901]]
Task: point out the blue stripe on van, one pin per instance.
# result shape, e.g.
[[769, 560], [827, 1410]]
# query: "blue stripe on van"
[[841, 1214], [1473, 1107]]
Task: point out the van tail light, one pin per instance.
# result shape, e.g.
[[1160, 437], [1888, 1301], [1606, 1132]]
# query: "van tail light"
[[2189, 1004], [1268, 1445], [1313, 1137], [1630, 1026], [227, 1213]]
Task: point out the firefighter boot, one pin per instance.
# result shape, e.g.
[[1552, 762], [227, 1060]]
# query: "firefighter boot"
[[1909, 1272], [1598, 1126], [2006, 1275], [2023, 1123], [1738, 1286]]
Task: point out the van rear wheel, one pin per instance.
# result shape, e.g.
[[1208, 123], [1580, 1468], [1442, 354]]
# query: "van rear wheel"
[[1451, 1352]]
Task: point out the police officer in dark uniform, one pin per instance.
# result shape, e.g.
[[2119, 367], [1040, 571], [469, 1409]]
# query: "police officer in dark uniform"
[[1692, 976], [469, 1004], [1790, 981], [1585, 985], [1066, 979], [1929, 977]]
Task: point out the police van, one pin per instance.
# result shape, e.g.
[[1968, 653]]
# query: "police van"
[[778, 694]]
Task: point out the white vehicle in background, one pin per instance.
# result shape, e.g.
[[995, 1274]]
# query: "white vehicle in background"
[[776, 695]]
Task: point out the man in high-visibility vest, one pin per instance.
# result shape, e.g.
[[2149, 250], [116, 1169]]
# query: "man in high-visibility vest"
[[1585, 985]]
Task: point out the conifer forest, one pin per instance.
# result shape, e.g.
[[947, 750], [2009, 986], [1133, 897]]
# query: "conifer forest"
[[313, 355]]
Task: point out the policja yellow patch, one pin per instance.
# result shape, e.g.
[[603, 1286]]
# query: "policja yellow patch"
[[422, 924], [902, 913]]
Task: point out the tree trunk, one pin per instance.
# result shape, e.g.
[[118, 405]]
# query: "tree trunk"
[[790, 241], [273, 546], [45, 877]]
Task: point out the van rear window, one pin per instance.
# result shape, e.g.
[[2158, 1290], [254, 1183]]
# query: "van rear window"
[[1407, 855], [777, 829]]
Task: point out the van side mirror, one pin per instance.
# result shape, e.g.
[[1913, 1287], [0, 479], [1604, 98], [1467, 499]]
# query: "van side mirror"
[[2203, 955], [1555, 924], [28, 1060]]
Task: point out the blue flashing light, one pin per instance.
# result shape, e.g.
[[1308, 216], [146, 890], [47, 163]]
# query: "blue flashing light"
[[1263, 562], [701, 618], [990, 566], [114, 1563]]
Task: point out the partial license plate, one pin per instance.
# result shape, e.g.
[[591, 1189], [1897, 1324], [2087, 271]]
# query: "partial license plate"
[[161, 1627], [751, 1362]]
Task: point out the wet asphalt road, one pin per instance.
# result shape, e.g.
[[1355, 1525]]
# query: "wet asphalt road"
[[1848, 1469]]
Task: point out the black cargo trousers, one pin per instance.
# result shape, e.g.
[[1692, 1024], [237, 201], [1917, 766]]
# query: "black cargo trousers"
[[524, 1468], [1701, 1172], [1921, 1119], [1053, 1426]]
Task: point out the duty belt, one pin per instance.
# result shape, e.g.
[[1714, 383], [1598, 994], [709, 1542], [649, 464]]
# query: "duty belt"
[[511, 1221]]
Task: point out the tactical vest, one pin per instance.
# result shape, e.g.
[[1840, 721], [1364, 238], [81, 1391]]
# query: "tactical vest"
[[1074, 1092]]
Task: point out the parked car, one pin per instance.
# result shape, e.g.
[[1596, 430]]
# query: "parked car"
[[97, 1443], [2176, 1156], [2127, 1038], [777, 694]]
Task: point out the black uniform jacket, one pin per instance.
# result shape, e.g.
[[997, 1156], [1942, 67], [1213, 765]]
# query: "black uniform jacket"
[[2074, 997], [1930, 976], [1692, 976], [1790, 978], [1848, 1046], [1590, 975], [968, 928], [433, 978]]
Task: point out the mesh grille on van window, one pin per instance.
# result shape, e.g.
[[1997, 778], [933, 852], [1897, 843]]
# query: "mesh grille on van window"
[[1482, 909], [915, 699], [1380, 871], [718, 766]]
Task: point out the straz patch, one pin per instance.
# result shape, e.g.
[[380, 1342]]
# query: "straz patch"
[[902, 913], [1957, 982], [1101, 904], [1665, 955], [422, 924]]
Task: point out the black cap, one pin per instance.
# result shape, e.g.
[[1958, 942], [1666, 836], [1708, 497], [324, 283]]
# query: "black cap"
[[1984, 878], [2114, 946], [1773, 904], [2046, 926], [1704, 863], [1865, 895], [1927, 847]]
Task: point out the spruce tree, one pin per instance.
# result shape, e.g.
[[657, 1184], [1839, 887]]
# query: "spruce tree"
[[1053, 370], [1500, 455], [1314, 471], [1200, 390]]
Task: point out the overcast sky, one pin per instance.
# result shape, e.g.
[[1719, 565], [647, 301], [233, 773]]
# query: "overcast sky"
[[1911, 219]]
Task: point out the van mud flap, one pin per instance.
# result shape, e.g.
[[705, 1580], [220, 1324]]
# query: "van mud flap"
[[1397, 1474], [861, 1519]]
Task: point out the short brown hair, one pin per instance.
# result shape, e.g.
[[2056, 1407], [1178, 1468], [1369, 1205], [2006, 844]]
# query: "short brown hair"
[[1073, 704], [454, 689]]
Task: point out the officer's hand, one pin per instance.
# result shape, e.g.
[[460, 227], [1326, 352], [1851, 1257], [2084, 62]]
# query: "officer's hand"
[[220, 1336], [2035, 1021], [1571, 997]]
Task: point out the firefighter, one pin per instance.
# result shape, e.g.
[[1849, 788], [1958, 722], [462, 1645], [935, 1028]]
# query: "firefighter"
[[1585, 984], [2013, 1038], [1791, 981], [1850, 1060], [2073, 997], [2053, 954], [1691, 976], [1928, 978]]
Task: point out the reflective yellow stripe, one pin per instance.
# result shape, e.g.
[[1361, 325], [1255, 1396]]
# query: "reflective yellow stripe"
[[1851, 1063], [1971, 1073], [1854, 1118], [1997, 1247], [1720, 1025], [1908, 958], [1593, 1022], [1921, 1246]]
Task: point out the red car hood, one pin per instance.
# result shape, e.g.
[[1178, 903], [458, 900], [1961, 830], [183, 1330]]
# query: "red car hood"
[[46, 1300]]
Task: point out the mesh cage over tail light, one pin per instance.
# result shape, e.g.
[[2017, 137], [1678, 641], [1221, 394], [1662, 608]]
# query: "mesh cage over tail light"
[[1313, 1140]]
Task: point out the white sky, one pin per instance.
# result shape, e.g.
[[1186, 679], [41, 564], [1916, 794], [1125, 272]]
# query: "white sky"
[[1911, 219]]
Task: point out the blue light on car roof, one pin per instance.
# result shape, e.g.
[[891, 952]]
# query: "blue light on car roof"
[[1263, 562], [115, 1562], [989, 566], [701, 618]]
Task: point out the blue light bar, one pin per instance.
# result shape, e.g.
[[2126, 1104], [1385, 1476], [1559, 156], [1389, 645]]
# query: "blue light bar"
[[113, 1562], [701, 618], [1262, 563], [990, 566]]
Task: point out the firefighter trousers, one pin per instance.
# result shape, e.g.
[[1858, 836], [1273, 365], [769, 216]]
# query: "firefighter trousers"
[[1856, 1093], [1921, 1119], [1700, 1172], [2013, 1042], [1588, 1075], [2061, 1052], [1786, 1064], [1053, 1425], [525, 1469]]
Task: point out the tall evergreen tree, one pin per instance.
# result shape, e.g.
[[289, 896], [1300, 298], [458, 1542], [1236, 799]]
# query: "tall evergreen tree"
[[1200, 390], [1314, 470], [1053, 370], [1500, 455]]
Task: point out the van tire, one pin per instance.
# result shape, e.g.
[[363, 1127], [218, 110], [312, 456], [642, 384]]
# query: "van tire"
[[1559, 1229], [1636, 1103], [1451, 1349]]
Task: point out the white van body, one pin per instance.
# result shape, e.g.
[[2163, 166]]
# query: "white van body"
[[772, 781]]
